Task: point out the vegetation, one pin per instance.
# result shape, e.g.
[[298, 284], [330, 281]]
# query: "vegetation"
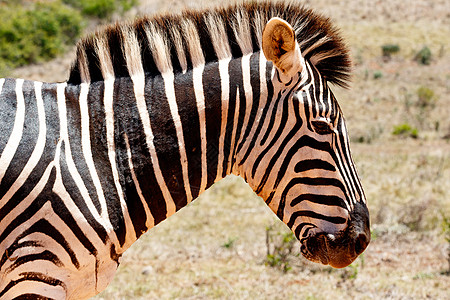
[[38, 31], [389, 49], [101, 8], [423, 56], [229, 243], [282, 248], [405, 130], [426, 97], [421, 110], [377, 75]]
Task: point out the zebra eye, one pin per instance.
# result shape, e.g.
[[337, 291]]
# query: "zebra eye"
[[322, 127]]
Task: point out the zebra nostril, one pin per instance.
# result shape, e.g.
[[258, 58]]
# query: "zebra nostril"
[[361, 243]]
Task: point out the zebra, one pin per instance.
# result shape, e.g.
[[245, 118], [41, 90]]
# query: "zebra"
[[154, 112]]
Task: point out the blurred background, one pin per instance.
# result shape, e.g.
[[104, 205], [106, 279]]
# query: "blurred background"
[[228, 244]]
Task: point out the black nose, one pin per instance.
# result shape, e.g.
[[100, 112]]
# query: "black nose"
[[361, 242], [360, 227]]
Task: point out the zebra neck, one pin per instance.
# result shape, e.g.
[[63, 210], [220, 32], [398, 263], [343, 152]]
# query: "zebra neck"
[[184, 132], [151, 145]]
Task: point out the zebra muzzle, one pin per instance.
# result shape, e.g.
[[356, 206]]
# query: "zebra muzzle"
[[342, 249], [337, 252]]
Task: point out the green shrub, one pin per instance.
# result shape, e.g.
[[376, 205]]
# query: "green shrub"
[[426, 97], [405, 130], [423, 56], [229, 243], [101, 8], [390, 49], [281, 249], [377, 75], [34, 31], [37, 32]]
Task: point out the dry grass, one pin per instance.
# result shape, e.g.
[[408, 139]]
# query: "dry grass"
[[215, 248], [186, 258]]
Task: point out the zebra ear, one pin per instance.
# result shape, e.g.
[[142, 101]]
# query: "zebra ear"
[[280, 46]]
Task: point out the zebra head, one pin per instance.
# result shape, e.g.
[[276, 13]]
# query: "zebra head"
[[315, 189]]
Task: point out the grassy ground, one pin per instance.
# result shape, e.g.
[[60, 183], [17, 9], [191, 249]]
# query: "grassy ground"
[[216, 248]]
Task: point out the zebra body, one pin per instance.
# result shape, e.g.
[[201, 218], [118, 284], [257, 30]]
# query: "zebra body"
[[89, 165]]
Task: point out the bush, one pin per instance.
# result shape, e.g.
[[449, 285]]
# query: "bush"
[[405, 130], [35, 33], [377, 75], [101, 8], [281, 249], [426, 97], [423, 56], [389, 49]]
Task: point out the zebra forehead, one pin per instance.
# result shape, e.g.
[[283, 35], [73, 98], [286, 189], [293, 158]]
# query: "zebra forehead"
[[179, 42]]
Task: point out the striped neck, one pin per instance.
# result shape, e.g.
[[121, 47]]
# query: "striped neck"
[[158, 142], [152, 144]]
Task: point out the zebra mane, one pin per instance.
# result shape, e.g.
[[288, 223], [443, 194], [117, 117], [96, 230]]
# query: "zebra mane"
[[178, 43]]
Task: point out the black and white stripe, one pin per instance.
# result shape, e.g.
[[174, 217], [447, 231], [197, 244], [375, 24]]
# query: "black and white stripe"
[[88, 166]]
